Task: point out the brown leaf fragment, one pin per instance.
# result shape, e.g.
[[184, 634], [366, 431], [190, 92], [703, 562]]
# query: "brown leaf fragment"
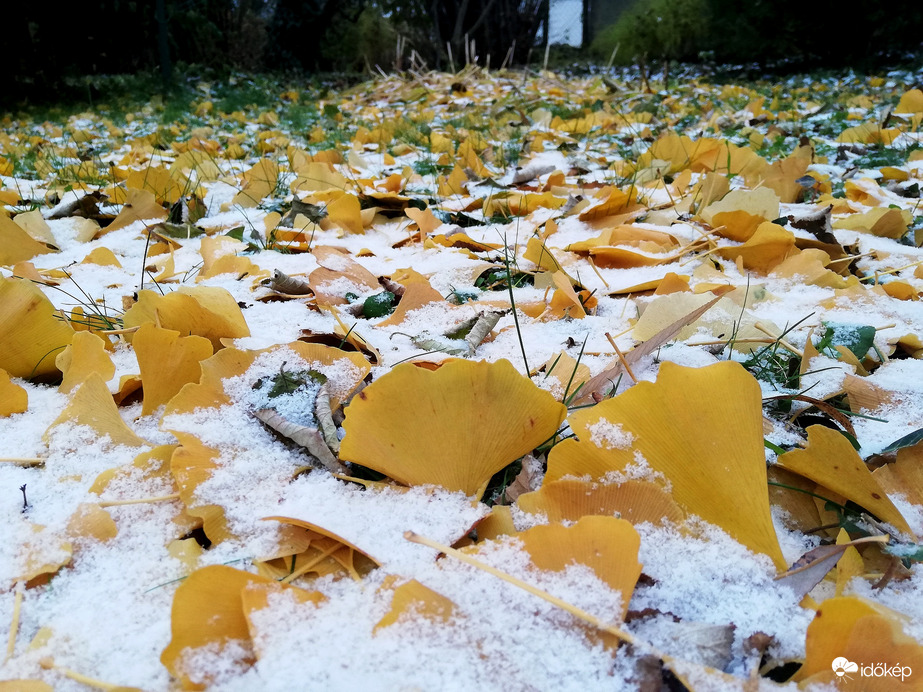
[[702, 643], [758, 642], [309, 438], [534, 170], [648, 676], [85, 206], [808, 570], [293, 286], [607, 378], [482, 327], [324, 415], [817, 223], [526, 481]]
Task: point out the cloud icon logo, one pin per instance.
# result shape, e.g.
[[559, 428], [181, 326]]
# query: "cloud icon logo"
[[841, 666]]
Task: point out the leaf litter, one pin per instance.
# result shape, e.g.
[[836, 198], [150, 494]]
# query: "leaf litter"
[[617, 352]]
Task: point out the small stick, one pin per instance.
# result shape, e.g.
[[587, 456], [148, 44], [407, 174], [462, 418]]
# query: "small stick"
[[622, 359], [127, 330], [310, 565], [535, 591], [26, 462], [781, 341], [850, 258], [723, 342], [593, 267], [88, 681], [888, 271], [25, 502], [14, 625], [139, 501]]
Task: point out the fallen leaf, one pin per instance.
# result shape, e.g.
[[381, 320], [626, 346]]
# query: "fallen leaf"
[[478, 418]]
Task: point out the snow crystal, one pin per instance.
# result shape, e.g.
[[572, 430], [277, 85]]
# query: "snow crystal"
[[609, 435]]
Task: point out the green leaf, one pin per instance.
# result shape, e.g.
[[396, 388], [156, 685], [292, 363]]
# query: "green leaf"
[[180, 230], [288, 382], [858, 338], [379, 305], [906, 441], [906, 552]]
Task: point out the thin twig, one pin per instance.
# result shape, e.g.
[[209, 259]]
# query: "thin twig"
[[14, 625], [139, 501], [579, 613], [27, 462], [622, 358]]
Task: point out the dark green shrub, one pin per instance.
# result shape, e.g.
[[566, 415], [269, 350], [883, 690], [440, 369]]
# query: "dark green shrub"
[[658, 29]]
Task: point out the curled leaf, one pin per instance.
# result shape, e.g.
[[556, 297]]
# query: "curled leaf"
[[309, 438]]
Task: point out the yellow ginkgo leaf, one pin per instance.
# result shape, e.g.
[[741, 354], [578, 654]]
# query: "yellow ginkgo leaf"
[[90, 521], [255, 597], [905, 475], [304, 553], [911, 102], [345, 212], [769, 245], [849, 632], [498, 523], [810, 268], [607, 545], [33, 223], [43, 554], [830, 460], [166, 187], [571, 499], [207, 617], [627, 235], [140, 205], [231, 362], [702, 428], [92, 405], [103, 257], [318, 175], [565, 301], [416, 295], [153, 464], [616, 202], [13, 398], [86, 355], [415, 600], [741, 211], [167, 361], [424, 218], [782, 175], [565, 375], [259, 182], [454, 427], [880, 221], [206, 311], [16, 245], [849, 566], [330, 286], [345, 545], [191, 464]]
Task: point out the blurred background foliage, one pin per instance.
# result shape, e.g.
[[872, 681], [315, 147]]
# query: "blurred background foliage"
[[50, 57]]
